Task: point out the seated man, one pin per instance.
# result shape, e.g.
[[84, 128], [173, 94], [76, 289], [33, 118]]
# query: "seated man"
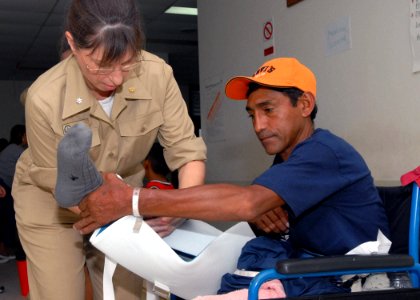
[[320, 189]]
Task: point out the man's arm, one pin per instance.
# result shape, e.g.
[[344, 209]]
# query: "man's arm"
[[275, 220], [190, 174], [216, 202]]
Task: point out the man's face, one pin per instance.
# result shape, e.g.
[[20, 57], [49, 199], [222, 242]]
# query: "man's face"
[[279, 125]]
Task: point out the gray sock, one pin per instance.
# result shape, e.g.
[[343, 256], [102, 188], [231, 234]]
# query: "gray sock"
[[77, 175]]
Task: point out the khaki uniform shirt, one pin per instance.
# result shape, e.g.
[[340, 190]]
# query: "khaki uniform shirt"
[[147, 106]]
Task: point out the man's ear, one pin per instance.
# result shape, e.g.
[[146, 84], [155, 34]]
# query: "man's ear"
[[307, 103], [146, 164]]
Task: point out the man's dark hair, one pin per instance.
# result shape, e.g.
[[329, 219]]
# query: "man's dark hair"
[[157, 160], [292, 93]]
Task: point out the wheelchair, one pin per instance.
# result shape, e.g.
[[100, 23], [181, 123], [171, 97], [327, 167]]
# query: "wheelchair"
[[402, 205]]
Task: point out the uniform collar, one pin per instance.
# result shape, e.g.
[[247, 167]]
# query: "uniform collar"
[[77, 97], [134, 88]]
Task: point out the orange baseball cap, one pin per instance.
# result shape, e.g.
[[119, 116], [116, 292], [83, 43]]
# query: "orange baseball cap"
[[283, 72]]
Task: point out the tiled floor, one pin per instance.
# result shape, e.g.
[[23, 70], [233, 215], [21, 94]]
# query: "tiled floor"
[[10, 281]]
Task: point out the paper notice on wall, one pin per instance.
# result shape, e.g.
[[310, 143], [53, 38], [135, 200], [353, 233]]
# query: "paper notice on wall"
[[338, 36], [415, 33]]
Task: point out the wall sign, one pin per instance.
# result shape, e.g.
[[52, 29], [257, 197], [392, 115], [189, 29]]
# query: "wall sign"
[[268, 37], [268, 30], [292, 2], [415, 34]]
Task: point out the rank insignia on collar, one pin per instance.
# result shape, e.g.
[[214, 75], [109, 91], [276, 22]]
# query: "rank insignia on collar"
[[66, 128]]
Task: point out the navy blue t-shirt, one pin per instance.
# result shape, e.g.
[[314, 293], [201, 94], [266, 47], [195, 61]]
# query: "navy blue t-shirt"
[[329, 191]]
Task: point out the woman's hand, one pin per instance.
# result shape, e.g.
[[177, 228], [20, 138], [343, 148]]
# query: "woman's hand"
[[164, 226]]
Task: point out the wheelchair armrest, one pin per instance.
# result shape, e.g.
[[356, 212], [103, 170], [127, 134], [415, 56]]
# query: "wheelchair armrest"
[[343, 262]]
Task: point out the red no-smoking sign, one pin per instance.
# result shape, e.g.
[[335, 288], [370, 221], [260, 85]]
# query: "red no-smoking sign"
[[268, 42], [268, 30]]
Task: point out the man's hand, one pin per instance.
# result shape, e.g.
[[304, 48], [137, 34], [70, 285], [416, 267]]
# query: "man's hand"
[[164, 226], [74, 209], [275, 220], [111, 201]]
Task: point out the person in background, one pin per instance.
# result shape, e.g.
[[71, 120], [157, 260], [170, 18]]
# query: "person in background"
[[2, 190], [156, 170], [156, 174], [3, 143], [4, 257], [11, 248], [319, 179], [5, 254], [129, 98], [12, 245]]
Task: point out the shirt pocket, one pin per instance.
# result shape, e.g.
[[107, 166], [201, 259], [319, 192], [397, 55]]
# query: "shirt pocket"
[[141, 125], [138, 135]]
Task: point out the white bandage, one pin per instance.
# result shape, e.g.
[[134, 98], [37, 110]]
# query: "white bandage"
[[149, 256], [135, 199]]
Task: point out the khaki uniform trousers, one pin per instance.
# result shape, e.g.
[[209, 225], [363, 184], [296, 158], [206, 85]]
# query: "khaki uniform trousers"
[[56, 255]]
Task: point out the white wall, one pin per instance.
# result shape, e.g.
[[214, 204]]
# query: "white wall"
[[367, 94]]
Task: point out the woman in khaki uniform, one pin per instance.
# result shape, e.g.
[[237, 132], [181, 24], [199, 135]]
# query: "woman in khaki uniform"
[[129, 98]]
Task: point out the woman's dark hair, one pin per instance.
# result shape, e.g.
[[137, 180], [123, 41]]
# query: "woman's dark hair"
[[292, 93], [16, 134], [112, 24]]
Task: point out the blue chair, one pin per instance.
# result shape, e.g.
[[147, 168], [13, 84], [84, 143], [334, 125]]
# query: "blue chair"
[[352, 264]]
